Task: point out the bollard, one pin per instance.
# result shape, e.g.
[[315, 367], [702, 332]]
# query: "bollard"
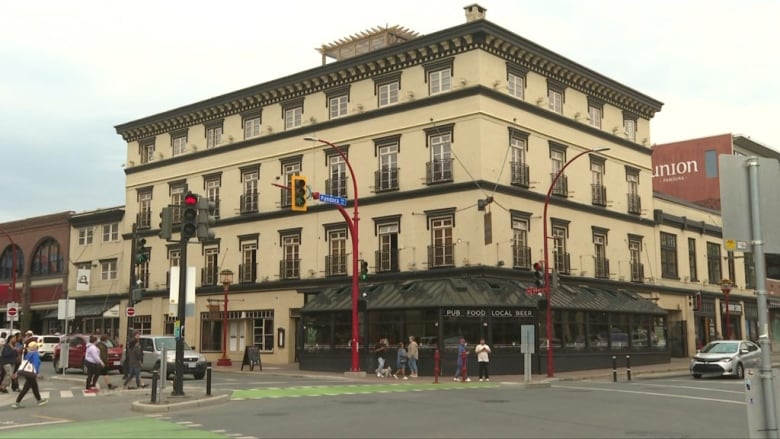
[[155, 378], [463, 374], [628, 367], [208, 381], [614, 368], [436, 369]]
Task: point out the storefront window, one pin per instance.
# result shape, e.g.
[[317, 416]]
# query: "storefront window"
[[506, 334], [343, 330], [317, 332], [598, 328], [384, 324], [423, 324], [557, 329], [619, 331], [641, 332], [466, 323], [658, 337], [574, 331]]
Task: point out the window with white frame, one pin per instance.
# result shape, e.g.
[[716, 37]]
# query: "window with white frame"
[[108, 270], [85, 236], [251, 127], [516, 85], [337, 106], [145, 209], [600, 254], [147, 152], [248, 272], [520, 171], [387, 257], [211, 266], [337, 252], [110, 232], [293, 117], [177, 198], [442, 245], [560, 253], [337, 169], [174, 260], [594, 114], [387, 177], [439, 81], [179, 145], [629, 125], [521, 252], [555, 98], [213, 185], [249, 198], [291, 250], [388, 93], [440, 168], [213, 136]]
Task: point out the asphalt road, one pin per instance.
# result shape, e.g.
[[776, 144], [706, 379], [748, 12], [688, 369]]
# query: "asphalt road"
[[276, 406]]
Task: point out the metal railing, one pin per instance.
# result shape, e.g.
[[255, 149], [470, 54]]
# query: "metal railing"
[[290, 269], [438, 171], [521, 256], [520, 174], [386, 179], [441, 255]]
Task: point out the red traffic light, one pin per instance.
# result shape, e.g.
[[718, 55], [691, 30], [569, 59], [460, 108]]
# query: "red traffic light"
[[190, 199], [538, 266]]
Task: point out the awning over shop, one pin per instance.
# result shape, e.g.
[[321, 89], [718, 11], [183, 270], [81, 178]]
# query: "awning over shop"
[[90, 309], [480, 291]]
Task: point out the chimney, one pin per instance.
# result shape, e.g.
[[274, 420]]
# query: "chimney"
[[474, 12]]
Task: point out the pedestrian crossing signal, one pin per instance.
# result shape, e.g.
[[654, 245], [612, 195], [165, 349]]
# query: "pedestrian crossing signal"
[[539, 274]]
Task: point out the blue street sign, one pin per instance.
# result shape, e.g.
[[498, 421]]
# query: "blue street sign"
[[325, 198]]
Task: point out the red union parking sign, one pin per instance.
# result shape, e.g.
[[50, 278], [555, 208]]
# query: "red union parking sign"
[[130, 311]]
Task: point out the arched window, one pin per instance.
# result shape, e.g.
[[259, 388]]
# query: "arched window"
[[47, 259], [7, 263]]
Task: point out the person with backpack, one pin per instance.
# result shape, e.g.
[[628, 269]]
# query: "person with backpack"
[[30, 377]]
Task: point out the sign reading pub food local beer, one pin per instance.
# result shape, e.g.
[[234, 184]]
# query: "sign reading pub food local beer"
[[494, 313]]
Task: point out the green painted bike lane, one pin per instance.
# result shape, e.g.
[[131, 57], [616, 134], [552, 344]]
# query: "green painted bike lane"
[[354, 389], [131, 427]]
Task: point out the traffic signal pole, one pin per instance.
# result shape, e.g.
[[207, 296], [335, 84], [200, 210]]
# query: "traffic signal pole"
[[353, 230], [547, 289]]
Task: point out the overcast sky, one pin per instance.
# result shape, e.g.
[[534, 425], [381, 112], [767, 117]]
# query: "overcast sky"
[[72, 70]]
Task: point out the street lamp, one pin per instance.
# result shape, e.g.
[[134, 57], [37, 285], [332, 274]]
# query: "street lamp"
[[547, 290], [725, 287], [226, 277], [352, 223]]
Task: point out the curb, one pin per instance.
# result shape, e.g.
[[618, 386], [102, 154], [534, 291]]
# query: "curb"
[[147, 407]]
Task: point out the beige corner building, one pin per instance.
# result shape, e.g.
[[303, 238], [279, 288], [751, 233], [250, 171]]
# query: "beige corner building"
[[454, 139]]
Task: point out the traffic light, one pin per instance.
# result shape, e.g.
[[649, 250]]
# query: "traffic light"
[[363, 270], [141, 250], [554, 279], [189, 216], [539, 274], [166, 223], [299, 203], [206, 219]]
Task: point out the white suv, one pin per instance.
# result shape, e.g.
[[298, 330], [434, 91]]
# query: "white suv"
[[152, 346], [46, 345]]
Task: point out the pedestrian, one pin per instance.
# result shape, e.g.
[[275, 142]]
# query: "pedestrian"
[[413, 352], [94, 364], [483, 359], [135, 359], [8, 362], [103, 348], [379, 353], [19, 348], [460, 370], [30, 377], [400, 363]]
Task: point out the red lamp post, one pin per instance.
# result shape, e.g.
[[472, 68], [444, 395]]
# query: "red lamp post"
[[226, 277], [547, 290], [352, 223], [725, 287]]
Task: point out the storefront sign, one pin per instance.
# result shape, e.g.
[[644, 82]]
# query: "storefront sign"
[[734, 308], [481, 313]]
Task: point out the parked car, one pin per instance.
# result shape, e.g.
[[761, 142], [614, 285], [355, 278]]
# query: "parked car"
[[77, 349], [725, 358], [153, 345], [46, 345]]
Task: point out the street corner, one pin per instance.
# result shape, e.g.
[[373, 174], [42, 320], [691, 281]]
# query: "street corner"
[[173, 403]]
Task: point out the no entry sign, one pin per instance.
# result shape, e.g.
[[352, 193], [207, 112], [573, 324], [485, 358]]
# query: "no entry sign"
[[12, 312], [130, 311]]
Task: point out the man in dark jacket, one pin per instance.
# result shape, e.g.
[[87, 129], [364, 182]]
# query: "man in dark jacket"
[[8, 362]]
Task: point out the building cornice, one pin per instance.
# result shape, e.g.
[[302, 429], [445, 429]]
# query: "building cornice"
[[477, 35]]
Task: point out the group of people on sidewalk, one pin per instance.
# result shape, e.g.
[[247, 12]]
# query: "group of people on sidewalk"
[[408, 356], [19, 358], [96, 359]]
